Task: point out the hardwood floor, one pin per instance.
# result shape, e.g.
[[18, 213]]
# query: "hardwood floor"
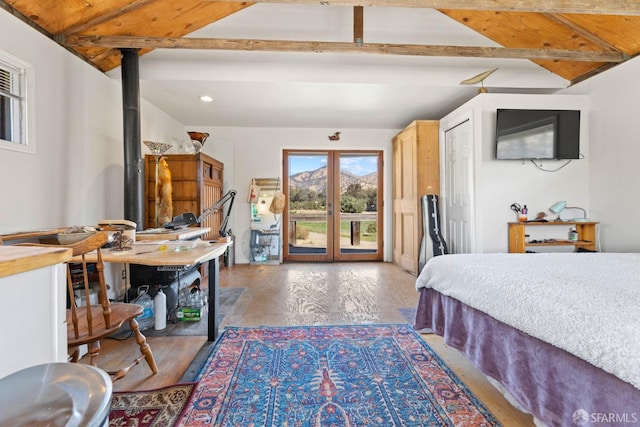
[[306, 294]]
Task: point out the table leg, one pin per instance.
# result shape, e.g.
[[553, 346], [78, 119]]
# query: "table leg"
[[213, 300]]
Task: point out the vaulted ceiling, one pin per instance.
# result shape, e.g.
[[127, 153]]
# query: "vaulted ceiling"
[[573, 39]]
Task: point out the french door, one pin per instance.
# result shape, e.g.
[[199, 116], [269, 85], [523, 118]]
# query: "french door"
[[334, 209]]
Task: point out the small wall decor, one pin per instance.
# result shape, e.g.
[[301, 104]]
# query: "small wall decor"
[[157, 150], [254, 192], [335, 137]]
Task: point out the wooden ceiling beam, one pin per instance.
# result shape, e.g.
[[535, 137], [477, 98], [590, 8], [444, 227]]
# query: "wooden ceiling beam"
[[590, 7], [338, 47]]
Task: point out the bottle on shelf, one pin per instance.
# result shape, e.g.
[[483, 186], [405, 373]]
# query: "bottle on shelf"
[[573, 235]]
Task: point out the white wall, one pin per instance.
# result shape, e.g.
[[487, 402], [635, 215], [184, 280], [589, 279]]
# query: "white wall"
[[76, 176], [614, 138], [257, 152], [499, 183]]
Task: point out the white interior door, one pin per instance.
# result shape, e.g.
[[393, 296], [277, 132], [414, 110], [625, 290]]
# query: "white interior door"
[[459, 188]]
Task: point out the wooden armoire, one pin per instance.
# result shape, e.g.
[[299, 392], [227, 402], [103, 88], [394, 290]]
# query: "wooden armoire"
[[197, 184], [415, 173]]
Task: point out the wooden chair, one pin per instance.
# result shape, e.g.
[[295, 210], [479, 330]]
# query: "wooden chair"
[[92, 323]]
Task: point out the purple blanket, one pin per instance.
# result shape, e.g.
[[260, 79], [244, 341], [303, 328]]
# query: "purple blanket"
[[556, 387]]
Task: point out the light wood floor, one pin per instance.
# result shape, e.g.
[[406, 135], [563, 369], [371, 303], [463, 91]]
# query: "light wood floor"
[[306, 294]]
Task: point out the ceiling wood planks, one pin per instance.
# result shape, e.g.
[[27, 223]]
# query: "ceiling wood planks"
[[571, 38], [159, 18], [623, 32], [537, 30], [109, 16], [561, 19]]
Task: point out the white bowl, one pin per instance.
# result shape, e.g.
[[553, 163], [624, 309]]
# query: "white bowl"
[[71, 238]]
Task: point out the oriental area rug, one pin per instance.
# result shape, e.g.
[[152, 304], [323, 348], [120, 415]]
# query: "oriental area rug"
[[366, 375], [153, 408]]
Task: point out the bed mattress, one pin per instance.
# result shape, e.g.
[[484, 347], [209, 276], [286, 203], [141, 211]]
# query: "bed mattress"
[[553, 385], [587, 304]]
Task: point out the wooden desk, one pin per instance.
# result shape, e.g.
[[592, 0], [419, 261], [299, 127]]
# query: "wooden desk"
[[165, 234], [31, 234], [18, 259], [144, 235], [177, 254]]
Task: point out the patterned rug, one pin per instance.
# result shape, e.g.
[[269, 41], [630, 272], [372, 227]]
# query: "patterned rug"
[[368, 375], [153, 408]]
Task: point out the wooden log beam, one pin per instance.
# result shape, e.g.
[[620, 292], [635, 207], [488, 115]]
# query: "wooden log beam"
[[339, 47], [590, 7]]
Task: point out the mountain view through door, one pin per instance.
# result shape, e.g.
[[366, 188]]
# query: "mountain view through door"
[[333, 199]]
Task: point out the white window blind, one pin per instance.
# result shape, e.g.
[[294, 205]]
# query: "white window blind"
[[15, 105]]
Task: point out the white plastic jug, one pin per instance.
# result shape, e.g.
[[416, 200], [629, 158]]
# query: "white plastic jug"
[[145, 320], [160, 312]]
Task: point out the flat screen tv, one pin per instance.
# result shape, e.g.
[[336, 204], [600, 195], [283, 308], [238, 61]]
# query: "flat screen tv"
[[537, 134]]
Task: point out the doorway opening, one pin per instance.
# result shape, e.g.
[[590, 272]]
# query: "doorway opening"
[[334, 208]]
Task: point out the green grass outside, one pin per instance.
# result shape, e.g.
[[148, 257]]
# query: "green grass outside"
[[345, 229]]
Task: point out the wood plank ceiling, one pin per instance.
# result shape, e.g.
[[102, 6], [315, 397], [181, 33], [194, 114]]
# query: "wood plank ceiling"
[[573, 38]]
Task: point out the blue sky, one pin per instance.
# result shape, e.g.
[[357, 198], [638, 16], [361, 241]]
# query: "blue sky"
[[358, 165]]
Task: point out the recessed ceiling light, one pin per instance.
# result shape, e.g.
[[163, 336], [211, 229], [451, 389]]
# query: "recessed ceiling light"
[[206, 98]]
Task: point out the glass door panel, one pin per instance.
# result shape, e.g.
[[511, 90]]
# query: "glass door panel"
[[309, 228], [357, 220]]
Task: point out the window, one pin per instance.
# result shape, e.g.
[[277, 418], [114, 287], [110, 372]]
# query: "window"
[[16, 104]]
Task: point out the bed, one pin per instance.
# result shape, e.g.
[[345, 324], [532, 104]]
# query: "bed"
[[559, 332]]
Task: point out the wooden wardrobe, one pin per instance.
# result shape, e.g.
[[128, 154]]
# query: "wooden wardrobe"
[[197, 184], [415, 173]]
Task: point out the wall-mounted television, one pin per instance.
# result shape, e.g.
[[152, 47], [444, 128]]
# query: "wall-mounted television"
[[537, 134]]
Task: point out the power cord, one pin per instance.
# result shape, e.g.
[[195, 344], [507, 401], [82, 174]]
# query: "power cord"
[[550, 170], [580, 156]]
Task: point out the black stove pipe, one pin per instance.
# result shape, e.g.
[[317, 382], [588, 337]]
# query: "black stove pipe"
[[133, 166]]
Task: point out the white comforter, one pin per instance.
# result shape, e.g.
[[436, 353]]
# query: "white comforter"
[[585, 303]]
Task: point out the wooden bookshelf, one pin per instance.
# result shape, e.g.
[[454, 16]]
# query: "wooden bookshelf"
[[586, 235]]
